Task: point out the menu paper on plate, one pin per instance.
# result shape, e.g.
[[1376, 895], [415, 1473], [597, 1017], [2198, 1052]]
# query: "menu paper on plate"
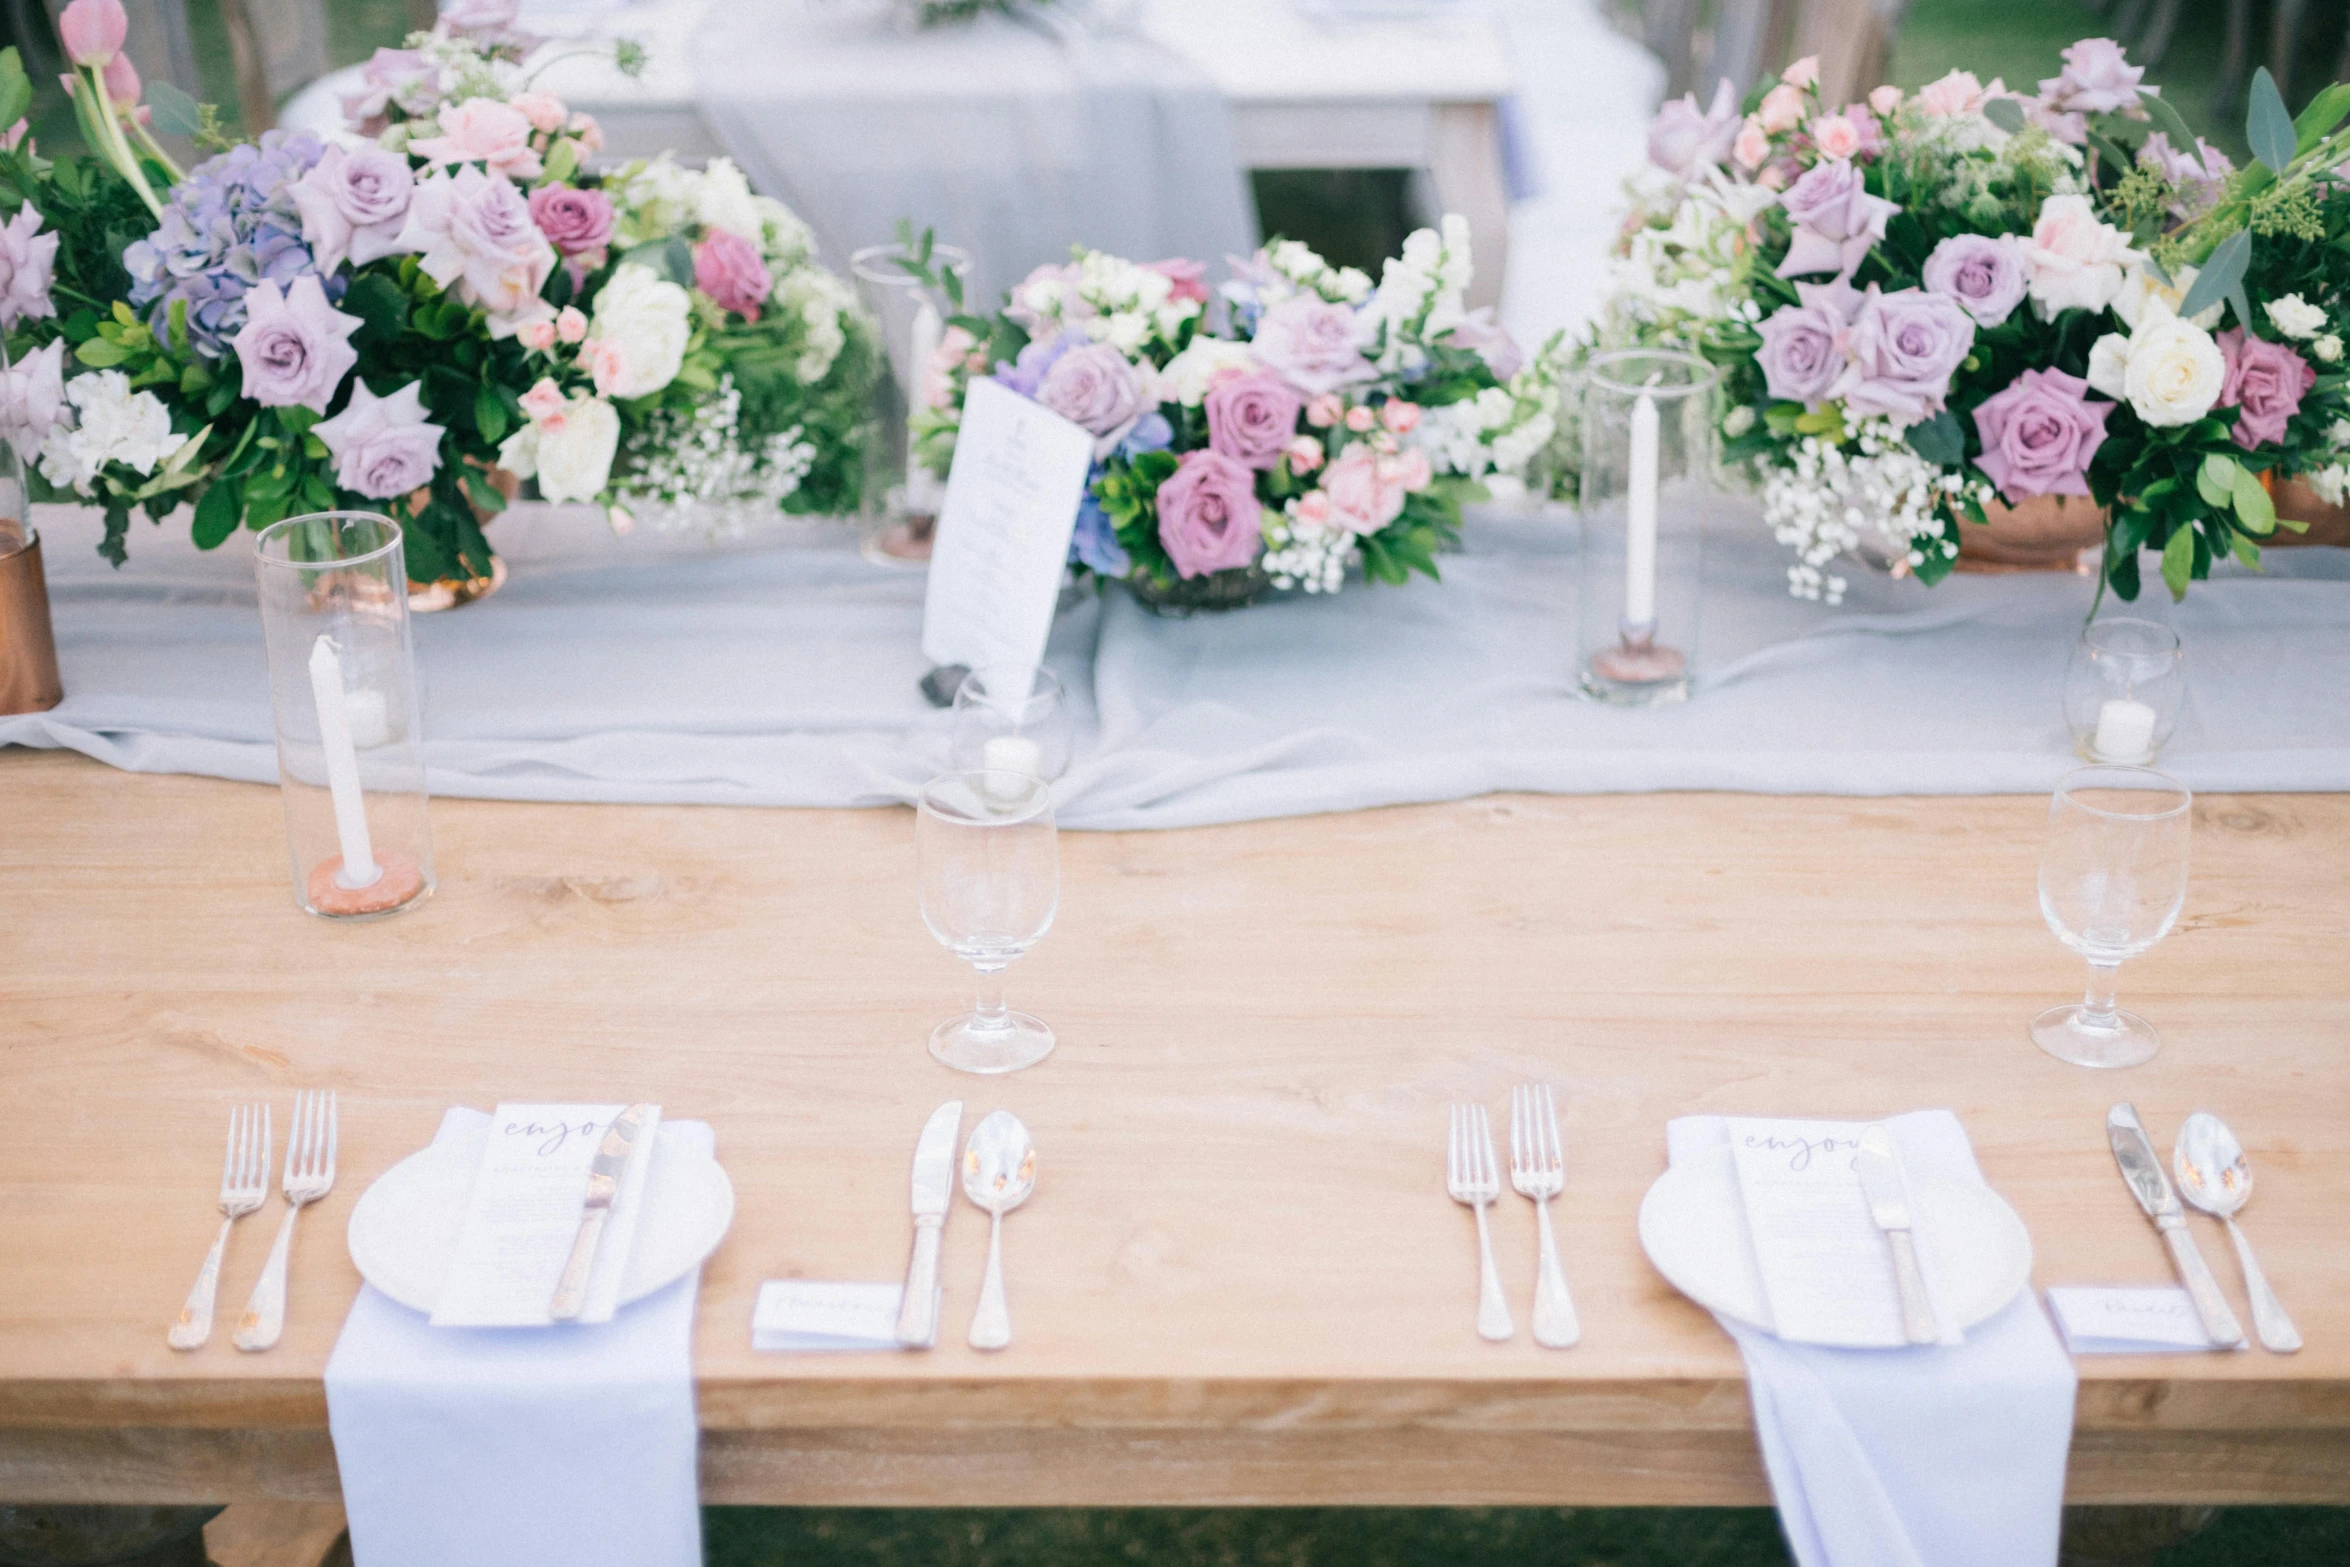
[[528, 1199], [1827, 1270], [2129, 1320], [1003, 535]]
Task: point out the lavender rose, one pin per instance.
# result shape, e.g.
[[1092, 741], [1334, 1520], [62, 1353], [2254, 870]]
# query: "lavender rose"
[[1802, 352], [2039, 434], [2096, 79], [2266, 381], [295, 347], [2199, 174], [409, 78], [1097, 387], [1252, 417], [353, 201], [728, 268], [1209, 518], [1311, 344], [574, 221], [32, 398], [1836, 220], [1904, 347], [382, 446], [476, 228], [1984, 274], [28, 259], [1684, 140]]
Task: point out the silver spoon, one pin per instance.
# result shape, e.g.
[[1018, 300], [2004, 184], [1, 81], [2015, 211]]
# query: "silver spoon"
[[999, 1171], [2215, 1176]]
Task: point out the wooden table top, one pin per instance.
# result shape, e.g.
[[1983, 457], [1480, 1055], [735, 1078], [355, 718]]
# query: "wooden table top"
[[1240, 1279]]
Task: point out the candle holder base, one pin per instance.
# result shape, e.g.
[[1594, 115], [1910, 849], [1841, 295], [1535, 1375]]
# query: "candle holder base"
[[401, 885], [1636, 672]]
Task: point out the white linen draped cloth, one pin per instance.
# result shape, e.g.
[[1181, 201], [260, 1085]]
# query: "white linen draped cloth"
[[652, 670], [489, 1447], [1932, 1456]]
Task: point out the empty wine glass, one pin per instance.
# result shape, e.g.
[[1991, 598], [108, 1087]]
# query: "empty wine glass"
[[2113, 876], [990, 869], [997, 729]]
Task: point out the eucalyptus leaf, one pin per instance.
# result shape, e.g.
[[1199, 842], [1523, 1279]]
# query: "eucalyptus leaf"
[[1939, 440], [2221, 274], [2178, 561], [175, 113], [2268, 127], [2006, 113]]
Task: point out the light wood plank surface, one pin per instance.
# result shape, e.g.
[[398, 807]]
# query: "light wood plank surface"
[[1240, 1279]]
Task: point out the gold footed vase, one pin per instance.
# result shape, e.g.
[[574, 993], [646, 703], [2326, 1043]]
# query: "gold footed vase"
[[28, 643], [2060, 532]]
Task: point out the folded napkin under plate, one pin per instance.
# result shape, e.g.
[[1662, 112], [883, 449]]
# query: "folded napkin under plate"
[[483, 1447], [1939, 1455]]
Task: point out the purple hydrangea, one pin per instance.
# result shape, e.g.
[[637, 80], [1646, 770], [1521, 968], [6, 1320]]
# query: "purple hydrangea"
[[230, 224]]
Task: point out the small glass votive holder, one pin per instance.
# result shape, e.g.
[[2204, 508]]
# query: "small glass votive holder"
[[1648, 475], [342, 684], [2123, 691], [901, 500], [997, 730]]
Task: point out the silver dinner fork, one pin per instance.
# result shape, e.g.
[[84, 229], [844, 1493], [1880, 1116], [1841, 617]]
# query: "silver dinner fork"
[[1538, 1169], [1473, 1176], [310, 1175], [244, 1186]]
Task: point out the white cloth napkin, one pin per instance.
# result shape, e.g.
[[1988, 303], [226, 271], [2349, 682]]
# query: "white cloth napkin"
[[488, 1447], [1936, 1456]]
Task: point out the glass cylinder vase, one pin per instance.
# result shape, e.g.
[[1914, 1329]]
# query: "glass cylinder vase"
[[342, 685], [1648, 475], [2123, 691], [902, 497]]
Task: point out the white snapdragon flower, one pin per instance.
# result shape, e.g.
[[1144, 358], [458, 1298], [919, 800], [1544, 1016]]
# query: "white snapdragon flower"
[[723, 200], [111, 424], [1188, 375]]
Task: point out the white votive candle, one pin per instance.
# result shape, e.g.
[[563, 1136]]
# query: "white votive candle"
[[369, 716], [1640, 531], [342, 765], [1013, 754], [2125, 731]]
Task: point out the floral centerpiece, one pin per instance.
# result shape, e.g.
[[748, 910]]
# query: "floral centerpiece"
[[1333, 422], [1930, 307], [393, 323]]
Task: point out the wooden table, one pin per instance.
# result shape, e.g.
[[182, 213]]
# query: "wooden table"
[[1240, 1280]]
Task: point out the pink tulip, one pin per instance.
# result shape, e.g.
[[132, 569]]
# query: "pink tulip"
[[122, 82], [13, 137], [93, 31]]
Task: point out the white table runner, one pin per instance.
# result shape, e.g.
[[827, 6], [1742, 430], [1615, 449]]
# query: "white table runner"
[[624, 670]]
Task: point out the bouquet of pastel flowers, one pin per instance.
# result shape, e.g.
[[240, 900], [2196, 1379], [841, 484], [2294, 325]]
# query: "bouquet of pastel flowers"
[[1335, 421], [1929, 307], [397, 320]]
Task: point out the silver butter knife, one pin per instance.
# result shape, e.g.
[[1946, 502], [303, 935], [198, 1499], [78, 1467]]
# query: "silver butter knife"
[[603, 1189], [2142, 1172], [1880, 1182], [934, 1186]]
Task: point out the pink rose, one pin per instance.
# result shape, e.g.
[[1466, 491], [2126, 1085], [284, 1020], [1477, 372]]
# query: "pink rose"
[[1803, 73], [1781, 109], [1360, 419], [590, 134], [1835, 136], [1885, 99], [482, 130], [729, 269], [1366, 491], [2039, 434], [93, 30], [1100, 388], [544, 110], [607, 363], [570, 325], [1311, 343], [1325, 410], [1401, 418], [1209, 516], [2097, 79], [1410, 469], [543, 401], [1752, 146], [476, 228], [1252, 417], [409, 78], [1961, 92], [1684, 140], [2267, 381], [1312, 508], [1187, 276], [537, 336], [1305, 454]]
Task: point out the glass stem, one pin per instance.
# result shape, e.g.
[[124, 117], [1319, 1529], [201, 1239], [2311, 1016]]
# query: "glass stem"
[[990, 1012], [2097, 1007]]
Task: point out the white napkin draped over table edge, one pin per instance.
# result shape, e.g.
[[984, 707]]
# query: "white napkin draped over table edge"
[[1935, 1456], [487, 1447]]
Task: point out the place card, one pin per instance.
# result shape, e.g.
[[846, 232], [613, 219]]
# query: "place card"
[[811, 1314], [1827, 1270], [1003, 535], [2155, 1319], [528, 1199]]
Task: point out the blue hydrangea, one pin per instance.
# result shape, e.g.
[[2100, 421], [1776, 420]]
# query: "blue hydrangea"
[[1095, 543], [230, 224]]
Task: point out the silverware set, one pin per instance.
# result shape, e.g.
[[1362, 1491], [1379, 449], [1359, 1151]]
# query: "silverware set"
[[309, 1174], [2216, 1179], [999, 1173], [1538, 1172]]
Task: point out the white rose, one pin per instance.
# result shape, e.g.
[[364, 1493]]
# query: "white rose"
[[2076, 261], [2109, 365], [724, 200], [2327, 348], [2175, 372], [569, 452], [2295, 316], [2140, 287], [648, 317], [1189, 374], [1353, 285]]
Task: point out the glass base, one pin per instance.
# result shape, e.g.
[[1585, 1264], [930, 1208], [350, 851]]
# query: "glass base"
[[1598, 687], [1018, 1041], [901, 539], [2129, 1041]]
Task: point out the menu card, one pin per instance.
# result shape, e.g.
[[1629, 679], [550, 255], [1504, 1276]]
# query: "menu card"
[[1003, 536], [2130, 1320], [815, 1314], [1827, 1270], [528, 1199]]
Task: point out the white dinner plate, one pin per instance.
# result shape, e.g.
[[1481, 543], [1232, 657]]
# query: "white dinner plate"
[[1693, 1227], [403, 1231]]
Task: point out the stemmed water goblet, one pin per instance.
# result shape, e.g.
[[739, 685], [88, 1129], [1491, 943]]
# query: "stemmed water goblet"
[[2113, 877], [990, 874]]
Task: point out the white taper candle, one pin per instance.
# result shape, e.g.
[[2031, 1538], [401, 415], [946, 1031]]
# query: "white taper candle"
[[927, 334], [1640, 527], [342, 765]]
